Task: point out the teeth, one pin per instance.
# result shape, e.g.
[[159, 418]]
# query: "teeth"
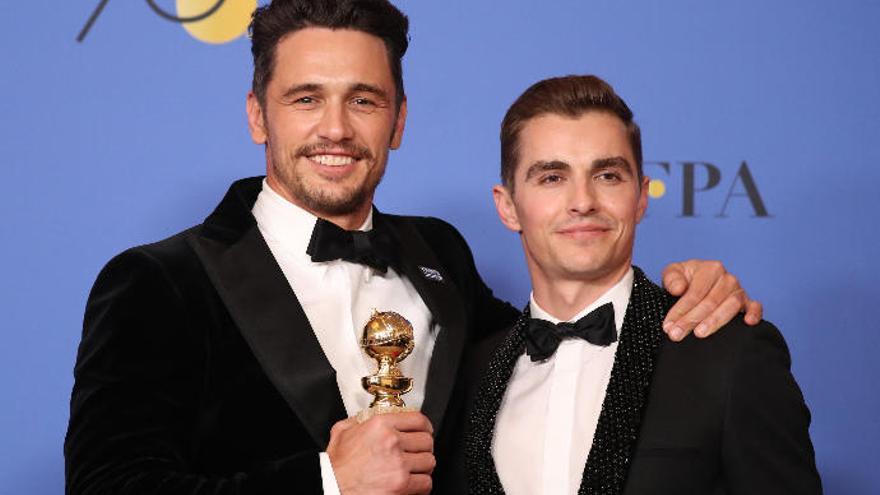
[[333, 160]]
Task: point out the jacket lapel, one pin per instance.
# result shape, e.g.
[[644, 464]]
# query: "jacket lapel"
[[422, 267], [266, 310], [626, 396], [481, 472]]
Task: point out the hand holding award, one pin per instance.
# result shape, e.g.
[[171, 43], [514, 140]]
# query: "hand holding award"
[[390, 453]]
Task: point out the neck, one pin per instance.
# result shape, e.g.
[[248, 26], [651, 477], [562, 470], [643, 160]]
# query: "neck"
[[348, 221], [565, 297]]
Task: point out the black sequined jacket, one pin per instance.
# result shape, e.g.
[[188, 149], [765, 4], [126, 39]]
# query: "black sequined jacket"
[[721, 415]]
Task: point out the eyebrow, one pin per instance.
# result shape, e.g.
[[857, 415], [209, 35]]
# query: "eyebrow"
[[616, 162], [544, 166], [301, 88], [358, 87], [369, 88]]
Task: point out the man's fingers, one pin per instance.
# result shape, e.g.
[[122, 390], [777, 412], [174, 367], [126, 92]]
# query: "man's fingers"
[[406, 421], [754, 312], [721, 315], [680, 318], [400, 444], [674, 279], [702, 281], [343, 425], [725, 292], [719, 306], [417, 442], [336, 431], [421, 463], [419, 484], [709, 286]]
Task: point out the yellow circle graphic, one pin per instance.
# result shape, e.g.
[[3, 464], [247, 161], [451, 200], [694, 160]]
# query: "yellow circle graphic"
[[656, 188], [228, 23]]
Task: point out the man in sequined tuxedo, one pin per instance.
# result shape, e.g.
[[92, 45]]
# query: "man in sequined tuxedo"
[[605, 404]]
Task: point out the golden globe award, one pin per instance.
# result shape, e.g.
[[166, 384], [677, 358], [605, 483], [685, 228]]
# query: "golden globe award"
[[388, 338]]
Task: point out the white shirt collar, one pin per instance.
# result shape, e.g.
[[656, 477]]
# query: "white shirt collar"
[[279, 219], [618, 296]]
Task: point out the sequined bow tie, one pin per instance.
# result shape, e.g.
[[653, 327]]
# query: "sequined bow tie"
[[330, 242], [542, 338]]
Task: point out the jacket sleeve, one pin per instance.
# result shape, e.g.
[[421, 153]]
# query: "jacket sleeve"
[[137, 385], [766, 446]]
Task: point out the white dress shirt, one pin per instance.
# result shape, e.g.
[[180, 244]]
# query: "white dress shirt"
[[548, 416], [338, 298]]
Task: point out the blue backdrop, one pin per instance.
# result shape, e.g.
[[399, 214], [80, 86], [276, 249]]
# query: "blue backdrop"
[[759, 121]]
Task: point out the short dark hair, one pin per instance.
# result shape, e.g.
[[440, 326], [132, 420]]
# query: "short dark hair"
[[270, 23], [569, 96]]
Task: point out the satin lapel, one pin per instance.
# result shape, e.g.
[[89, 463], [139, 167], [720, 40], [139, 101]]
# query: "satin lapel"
[[262, 304], [481, 472], [627, 392], [422, 267]]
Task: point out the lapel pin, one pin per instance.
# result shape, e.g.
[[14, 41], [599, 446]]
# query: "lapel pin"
[[431, 274]]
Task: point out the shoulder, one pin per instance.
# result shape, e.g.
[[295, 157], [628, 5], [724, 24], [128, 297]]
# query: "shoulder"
[[164, 250], [142, 301], [432, 229], [740, 367], [733, 342], [442, 239], [737, 357], [729, 340], [150, 265], [735, 337]]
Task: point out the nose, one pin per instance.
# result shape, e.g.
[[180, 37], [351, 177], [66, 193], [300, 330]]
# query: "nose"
[[335, 123], [581, 198]]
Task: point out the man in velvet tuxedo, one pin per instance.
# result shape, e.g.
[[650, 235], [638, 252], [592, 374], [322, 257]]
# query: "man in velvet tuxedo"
[[584, 394], [224, 359]]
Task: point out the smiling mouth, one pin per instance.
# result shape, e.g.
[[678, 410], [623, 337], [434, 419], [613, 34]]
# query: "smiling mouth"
[[332, 160]]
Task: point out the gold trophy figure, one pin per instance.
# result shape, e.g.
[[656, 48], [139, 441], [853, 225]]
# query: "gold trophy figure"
[[388, 338]]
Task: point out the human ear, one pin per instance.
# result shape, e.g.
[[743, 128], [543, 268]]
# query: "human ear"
[[399, 124], [256, 121], [506, 208], [643, 199]]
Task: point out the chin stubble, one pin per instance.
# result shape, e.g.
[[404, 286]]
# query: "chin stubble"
[[320, 200]]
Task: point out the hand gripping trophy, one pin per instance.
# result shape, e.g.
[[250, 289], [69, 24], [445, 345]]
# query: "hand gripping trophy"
[[388, 338]]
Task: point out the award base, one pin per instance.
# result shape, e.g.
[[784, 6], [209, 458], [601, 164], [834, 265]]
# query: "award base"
[[376, 410]]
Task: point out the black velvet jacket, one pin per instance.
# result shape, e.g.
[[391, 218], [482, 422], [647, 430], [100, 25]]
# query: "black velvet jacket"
[[198, 372]]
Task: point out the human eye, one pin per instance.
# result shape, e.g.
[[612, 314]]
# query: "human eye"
[[609, 176], [550, 179], [364, 104], [304, 102]]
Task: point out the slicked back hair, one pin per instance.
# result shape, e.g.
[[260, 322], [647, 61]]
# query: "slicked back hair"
[[569, 96], [270, 23]]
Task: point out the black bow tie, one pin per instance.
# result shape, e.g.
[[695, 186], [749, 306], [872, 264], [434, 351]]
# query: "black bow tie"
[[542, 337], [330, 242]]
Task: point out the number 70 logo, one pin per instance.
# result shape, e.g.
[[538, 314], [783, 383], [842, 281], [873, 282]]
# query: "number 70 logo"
[[210, 21]]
